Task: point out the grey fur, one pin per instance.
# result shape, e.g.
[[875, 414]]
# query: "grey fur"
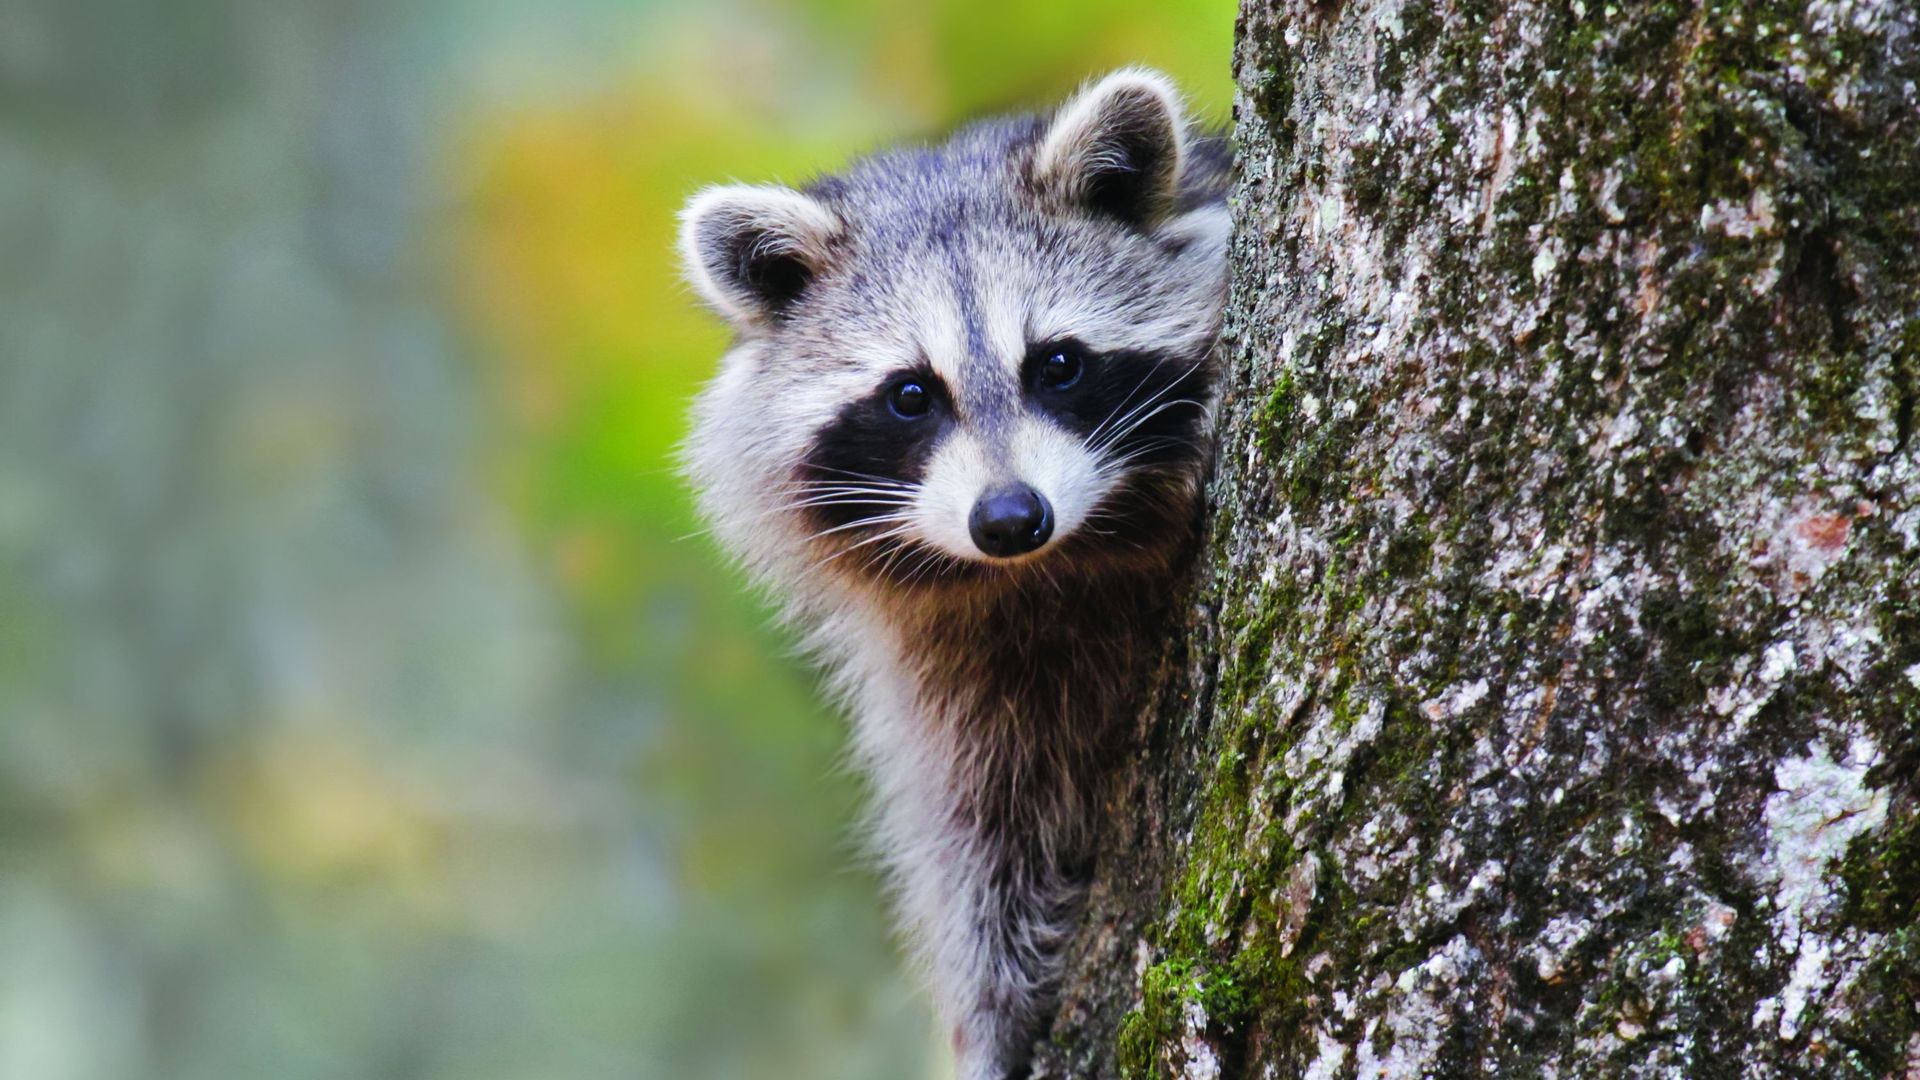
[[989, 696]]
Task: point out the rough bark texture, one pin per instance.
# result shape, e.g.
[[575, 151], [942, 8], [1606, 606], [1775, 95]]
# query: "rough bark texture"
[[1550, 702]]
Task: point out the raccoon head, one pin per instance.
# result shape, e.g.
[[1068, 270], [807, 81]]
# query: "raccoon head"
[[984, 359]]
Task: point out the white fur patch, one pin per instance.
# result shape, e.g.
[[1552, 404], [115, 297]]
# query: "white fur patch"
[[960, 472], [941, 334]]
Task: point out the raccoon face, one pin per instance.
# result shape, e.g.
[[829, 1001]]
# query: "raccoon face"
[[971, 359]]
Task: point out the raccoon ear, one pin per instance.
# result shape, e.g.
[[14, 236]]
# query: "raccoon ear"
[[1116, 147], [752, 250]]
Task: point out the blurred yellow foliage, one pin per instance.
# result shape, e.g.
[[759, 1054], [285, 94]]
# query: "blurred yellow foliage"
[[312, 806]]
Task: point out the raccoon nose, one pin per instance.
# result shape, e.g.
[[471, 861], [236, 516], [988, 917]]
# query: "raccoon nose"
[[1011, 522]]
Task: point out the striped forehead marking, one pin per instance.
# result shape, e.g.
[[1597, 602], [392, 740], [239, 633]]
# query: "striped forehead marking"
[[986, 396], [946, 236]]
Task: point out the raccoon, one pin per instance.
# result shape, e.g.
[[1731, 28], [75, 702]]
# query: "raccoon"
[[963, 431]]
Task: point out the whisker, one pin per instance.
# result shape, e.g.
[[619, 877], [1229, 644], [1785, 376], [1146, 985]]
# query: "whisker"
[[848, 500], [890, 561], [832, 499], [886, 519], [1171, 386], [1134, 417], [1097, 428], [930, 559], [1110, 441], [842, 485], [1115, 465], [888, 535], [869, 489], [863, 476]]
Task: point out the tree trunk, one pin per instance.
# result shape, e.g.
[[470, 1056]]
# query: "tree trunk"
[[1549, 697]]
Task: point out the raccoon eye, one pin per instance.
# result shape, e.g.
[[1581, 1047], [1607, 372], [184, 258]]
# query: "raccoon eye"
[[1060, 367], [909, 400]]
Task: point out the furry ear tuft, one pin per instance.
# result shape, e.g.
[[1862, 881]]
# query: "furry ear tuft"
[[1116, 148], [752, 250]]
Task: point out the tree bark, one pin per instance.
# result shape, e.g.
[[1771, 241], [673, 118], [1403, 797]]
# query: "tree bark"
[[1548, 702]]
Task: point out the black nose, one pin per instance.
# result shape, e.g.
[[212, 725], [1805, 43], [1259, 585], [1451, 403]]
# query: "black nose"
[[1011, 522]]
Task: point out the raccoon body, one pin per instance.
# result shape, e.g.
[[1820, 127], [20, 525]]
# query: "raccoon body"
[[962, 432]]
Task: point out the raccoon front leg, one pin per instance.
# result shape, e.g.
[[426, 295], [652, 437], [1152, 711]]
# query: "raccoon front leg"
[[983, 845], [1003, 916]]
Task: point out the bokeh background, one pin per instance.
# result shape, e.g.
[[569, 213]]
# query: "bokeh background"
[[368, 708]]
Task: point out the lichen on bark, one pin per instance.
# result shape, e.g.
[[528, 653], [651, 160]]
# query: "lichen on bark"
[[1549, 699]]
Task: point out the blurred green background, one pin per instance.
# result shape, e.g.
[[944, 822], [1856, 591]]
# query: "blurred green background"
[[365, 709]]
